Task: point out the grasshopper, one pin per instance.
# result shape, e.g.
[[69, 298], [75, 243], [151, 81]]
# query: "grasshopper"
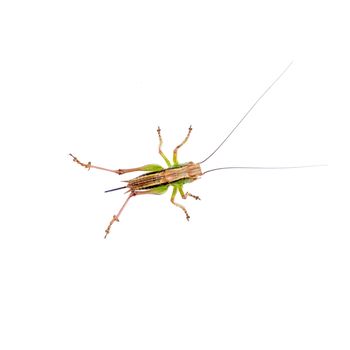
[[157, 179]]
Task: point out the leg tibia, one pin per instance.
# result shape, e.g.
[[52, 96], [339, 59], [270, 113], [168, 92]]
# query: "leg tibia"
[[177, 204], [175, 161], [147, 167], [156, 190], [160, 148]]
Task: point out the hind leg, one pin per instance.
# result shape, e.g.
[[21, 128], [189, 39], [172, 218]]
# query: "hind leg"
[[147, 167], [157, 190]]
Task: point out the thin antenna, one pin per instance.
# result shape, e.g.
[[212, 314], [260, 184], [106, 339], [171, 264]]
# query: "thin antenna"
[[265, 168], [115, 189], [250, 109]]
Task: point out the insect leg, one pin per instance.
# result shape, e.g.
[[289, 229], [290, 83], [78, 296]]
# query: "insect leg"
[[177, 204], [185, 195], [175, 161], [156, 190], [89, 165], [148, 167], [160, 149], [116, 217]]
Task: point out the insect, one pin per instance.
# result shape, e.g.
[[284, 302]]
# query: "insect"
[[157, 179]]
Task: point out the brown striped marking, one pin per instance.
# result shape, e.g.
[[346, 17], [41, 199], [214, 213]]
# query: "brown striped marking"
[[190, 171]]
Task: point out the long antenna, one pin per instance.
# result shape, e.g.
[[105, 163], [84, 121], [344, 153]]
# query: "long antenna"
[[249, 110], [264, 167]]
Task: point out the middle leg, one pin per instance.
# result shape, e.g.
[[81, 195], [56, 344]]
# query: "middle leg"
[[160, 149], [177, 204]]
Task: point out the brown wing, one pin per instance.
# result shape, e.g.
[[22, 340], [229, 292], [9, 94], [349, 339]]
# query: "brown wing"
[[147, 180]]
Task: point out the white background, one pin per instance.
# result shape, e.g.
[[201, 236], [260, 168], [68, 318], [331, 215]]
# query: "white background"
[[264, 261]]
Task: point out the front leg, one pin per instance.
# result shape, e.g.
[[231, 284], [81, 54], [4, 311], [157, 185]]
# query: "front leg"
[[175, 161], [185, 195]]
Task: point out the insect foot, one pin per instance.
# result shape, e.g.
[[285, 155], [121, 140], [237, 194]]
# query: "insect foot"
[[193, 196], [185, 195], [115, 218], [85, 165]]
